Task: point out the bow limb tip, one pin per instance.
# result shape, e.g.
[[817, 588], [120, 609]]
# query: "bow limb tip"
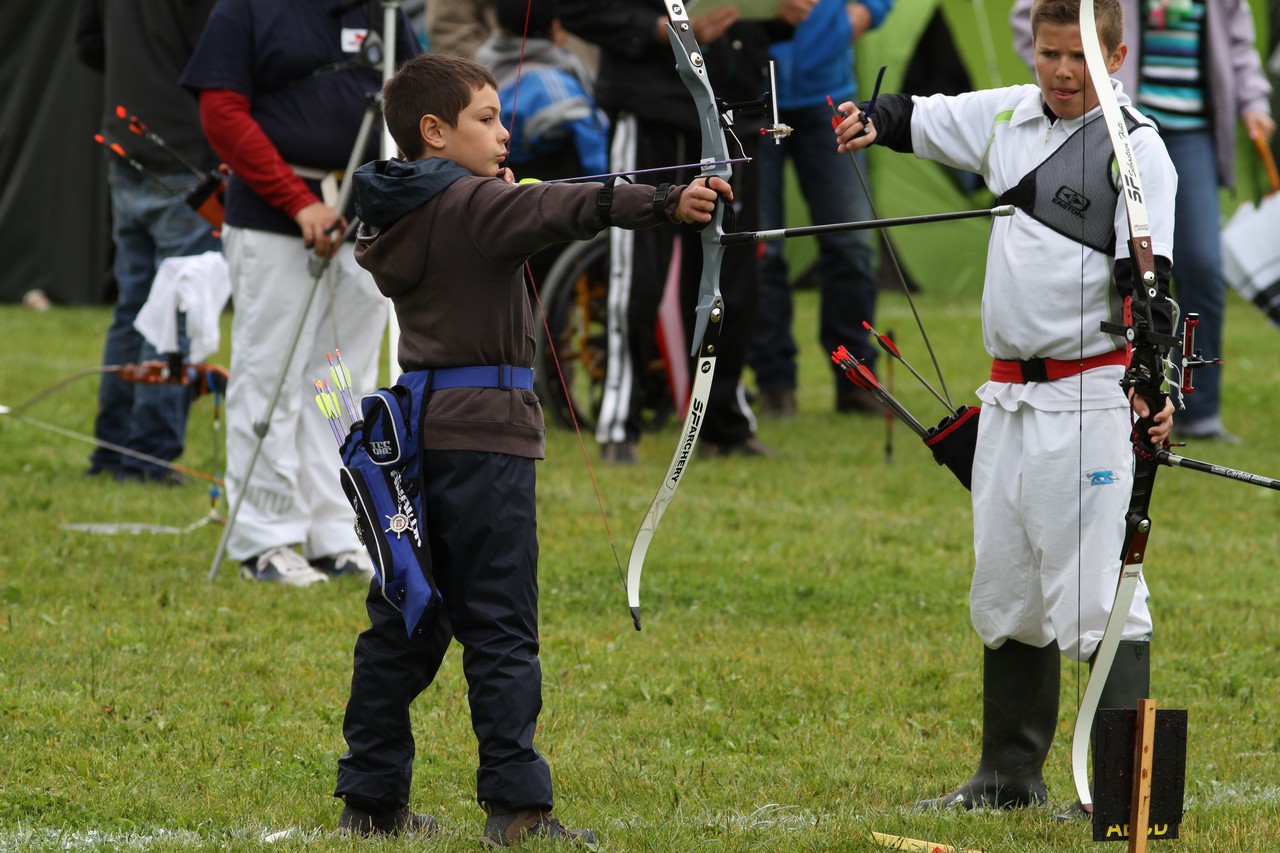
[[635, 617]]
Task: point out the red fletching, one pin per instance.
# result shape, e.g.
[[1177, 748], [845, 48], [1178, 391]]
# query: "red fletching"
[[885, 342], [867, 376], [854, 371]]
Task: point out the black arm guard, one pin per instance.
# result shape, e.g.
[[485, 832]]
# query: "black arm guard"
[[1161, 307], [893, 121]]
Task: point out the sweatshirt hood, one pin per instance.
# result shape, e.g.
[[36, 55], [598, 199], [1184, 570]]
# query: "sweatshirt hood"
[[385, 190]]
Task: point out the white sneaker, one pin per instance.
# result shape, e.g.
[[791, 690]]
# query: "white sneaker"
[[355, 564], [281, 564]]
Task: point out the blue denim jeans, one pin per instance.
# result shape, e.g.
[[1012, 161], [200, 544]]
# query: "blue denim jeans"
[[149, 224], [845, 260], [1198, 285]]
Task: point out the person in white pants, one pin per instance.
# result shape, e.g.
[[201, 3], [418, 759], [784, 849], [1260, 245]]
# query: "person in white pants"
[[1052, 471], [283, 90]]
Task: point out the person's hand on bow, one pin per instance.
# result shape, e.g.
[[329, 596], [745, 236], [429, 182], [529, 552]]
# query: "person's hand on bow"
[[698, 201], [1162, 423]]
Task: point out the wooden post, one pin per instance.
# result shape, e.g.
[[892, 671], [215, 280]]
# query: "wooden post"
[[1144, 736]]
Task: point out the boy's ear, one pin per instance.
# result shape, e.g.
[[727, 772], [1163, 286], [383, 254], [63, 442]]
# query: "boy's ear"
[[431, 129], [1116, 59]]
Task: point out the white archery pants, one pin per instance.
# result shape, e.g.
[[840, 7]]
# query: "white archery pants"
[[1050, 491], [293, 495]]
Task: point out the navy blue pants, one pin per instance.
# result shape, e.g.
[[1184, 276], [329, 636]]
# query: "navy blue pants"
[[149, 225], [482, 532]]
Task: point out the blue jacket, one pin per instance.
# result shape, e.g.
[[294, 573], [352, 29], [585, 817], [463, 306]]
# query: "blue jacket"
[[555, 109], [818, 60]]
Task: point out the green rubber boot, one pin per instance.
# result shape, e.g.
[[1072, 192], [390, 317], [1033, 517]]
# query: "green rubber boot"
[[1019, 718]]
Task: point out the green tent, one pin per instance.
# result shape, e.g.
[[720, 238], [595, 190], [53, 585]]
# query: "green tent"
[[937, 257]]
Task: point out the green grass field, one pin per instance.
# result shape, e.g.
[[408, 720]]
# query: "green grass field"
[[806, 669]]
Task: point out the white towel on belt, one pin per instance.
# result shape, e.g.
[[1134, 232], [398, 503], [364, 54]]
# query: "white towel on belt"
[[199, 286]]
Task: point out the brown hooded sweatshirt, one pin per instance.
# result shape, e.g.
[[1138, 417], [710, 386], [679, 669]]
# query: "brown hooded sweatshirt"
[[448, 248]]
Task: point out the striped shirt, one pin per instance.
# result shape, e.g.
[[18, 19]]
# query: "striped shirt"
[[1171, 84]]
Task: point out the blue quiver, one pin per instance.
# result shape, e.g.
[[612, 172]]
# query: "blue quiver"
[[382, 477]]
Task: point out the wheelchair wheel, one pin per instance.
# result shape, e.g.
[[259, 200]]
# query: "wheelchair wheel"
[[574, 298]]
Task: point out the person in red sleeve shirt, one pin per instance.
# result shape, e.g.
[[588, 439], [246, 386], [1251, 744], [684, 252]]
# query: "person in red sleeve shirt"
[[283, 89]]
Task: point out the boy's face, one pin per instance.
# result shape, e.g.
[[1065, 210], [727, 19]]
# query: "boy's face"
[[1061, 72], [479, 140]]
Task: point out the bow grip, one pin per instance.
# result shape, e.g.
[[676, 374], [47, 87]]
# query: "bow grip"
[[717, 214]]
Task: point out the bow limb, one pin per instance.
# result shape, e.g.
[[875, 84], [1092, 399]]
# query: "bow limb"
[[691, 66], [1145, 377], [200, 379]]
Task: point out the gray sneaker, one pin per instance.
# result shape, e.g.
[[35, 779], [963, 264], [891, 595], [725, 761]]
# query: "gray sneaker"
[[281, 564], [356, 564]]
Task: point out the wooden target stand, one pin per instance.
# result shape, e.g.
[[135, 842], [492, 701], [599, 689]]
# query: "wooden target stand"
[[1140, 763]]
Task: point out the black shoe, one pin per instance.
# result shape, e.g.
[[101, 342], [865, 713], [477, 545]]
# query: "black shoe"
[[749, 446], [157, 476], [619, 452], [851, 400], [503, 829], [353, 821], [1076, 811], [777, 403], [1219, 434]]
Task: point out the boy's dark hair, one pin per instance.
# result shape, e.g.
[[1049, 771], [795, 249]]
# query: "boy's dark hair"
[[1107, 13], [431, 84], [512, 15]]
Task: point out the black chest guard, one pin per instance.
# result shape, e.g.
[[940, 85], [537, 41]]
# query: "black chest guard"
[[1074, 190]]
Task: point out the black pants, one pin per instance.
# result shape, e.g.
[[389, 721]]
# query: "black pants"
[[728, 420], [482, 532]]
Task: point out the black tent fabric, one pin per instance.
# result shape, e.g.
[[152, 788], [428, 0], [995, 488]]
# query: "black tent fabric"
[[54, 217]]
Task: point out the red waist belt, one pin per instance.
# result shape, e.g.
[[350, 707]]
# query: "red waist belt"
[[1048, 369]]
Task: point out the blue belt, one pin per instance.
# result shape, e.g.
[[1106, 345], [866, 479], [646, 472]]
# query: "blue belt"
[[485, 376]]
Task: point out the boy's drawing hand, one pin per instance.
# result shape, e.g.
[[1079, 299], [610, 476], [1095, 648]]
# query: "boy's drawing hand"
[[847, 131], [698, 201], [321, 228], [507, 175], [1163, 421]]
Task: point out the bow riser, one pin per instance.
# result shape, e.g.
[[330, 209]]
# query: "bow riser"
[[691, 66]]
